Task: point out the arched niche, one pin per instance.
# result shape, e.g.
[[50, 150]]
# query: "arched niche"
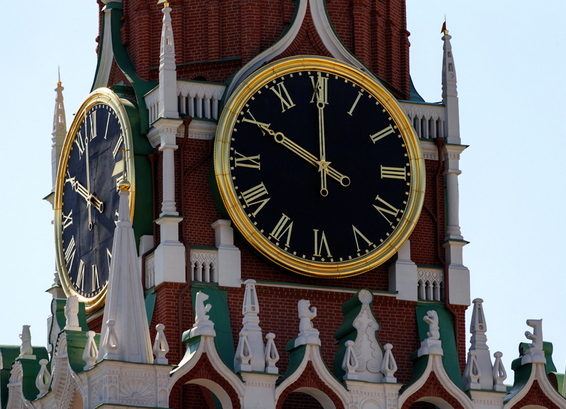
[[323, 400], [430, 402], [216, 389]]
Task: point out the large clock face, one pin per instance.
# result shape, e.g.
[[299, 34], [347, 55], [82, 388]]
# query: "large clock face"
[[318, 167], [87, 195]]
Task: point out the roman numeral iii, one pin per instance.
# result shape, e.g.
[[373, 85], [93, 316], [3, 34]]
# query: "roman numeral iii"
[[388, 172], [283, 226]]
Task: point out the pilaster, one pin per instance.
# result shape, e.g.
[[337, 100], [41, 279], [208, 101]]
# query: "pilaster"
[[403, 275], [229, 258]]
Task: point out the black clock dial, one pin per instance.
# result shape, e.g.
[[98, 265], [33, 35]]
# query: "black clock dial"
[[90, 199], [323, 172]]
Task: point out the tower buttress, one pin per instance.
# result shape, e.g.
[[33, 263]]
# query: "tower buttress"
[[450, 91], [167, 71], [59, 130]]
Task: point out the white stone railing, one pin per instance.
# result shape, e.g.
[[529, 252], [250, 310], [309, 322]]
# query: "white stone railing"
[[429, 120], [430, 285], [204, 265], [150, 271], [197, 99]]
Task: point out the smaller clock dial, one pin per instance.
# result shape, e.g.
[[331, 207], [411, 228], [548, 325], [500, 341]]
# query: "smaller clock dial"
[[90, 199]]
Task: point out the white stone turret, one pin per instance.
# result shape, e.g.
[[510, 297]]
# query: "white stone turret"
[[59, 130], [252, 331], [125, 331], [450, 91], [167, 71], [479, 349], [170, 254]]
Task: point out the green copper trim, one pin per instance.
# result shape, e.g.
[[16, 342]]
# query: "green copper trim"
[[220, 315]]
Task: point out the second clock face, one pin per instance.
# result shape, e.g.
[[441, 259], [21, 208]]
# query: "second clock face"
[[322, 172], [87, 196]]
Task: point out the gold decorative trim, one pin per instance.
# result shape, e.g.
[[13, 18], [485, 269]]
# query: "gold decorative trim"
[[99, 96], [238, 216]]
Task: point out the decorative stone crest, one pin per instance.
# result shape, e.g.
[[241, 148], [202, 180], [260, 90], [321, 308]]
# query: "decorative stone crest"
[[535, 353], [350, 362], [43, 379], [90, 354], [472, 373], [389, 366], [271, 355], [26, 350], [307, 333], [432, 345], [203, 325], [250, 353], [499, 373], [72, 313]]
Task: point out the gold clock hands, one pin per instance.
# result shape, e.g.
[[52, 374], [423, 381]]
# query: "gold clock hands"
[[320, 91], [88, 204], [309, 157], [89, 197]]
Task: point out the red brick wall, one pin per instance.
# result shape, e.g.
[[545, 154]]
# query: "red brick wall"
[[207, 32]]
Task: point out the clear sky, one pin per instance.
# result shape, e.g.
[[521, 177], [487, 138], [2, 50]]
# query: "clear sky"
[[509, 58]]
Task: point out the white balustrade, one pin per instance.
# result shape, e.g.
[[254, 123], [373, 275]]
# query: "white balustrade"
[[427, 119], [197, 99], [204, 264], [430, 284]]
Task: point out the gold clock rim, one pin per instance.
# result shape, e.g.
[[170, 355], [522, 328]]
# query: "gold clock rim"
[[246, 227], [98, 96]]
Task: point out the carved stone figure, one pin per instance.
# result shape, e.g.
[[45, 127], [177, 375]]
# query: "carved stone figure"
[[201, 309], [25, 336], [431, 318], [306, 314]]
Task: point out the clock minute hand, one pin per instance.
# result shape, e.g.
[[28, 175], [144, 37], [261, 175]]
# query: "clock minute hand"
[[320, 91], [309, 157]]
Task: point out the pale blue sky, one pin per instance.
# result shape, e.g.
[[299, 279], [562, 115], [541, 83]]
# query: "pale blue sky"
[[509, 59]]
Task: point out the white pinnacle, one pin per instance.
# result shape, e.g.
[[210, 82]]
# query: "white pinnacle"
[[125, 306]]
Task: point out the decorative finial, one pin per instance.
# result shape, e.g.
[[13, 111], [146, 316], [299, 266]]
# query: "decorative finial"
[[58, 76], [444, 30], [166, 3]]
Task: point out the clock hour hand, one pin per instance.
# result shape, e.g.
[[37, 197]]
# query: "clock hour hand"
[[309, 157], [320, 92], [89, 197]]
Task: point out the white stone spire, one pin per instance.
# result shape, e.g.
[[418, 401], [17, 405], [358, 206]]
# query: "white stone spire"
[[479, 348], [167, 69], [250, 333], [59, 130], [450, 91], [125, 331]]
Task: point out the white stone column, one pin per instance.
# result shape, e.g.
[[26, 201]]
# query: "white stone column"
[[170, 254]]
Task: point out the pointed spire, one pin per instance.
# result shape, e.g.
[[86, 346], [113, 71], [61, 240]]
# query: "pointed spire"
[[250, 334], [167, 68], [450, 90], [59, 129], [125, 307], [478, 356]]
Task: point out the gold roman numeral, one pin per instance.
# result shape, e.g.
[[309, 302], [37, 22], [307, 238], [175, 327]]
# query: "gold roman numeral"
[[81, 276], [254, 196], [382, 134], [261, 125], [283, 226], [283, 95], [364, 238], [320, 87], [67, 219], [80, 144], [318, 245], [246, 161], [92, 122], [117, 146], [70, 253], [95, 282], [393, 173], [390, 210], [355, 103]]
